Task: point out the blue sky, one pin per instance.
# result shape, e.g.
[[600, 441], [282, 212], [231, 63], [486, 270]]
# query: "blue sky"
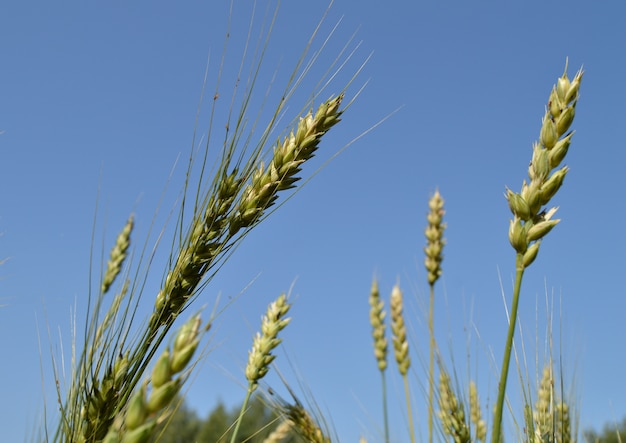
[[99, 101]]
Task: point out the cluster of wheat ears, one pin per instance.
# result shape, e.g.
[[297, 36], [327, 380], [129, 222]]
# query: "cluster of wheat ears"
[[125, 383]]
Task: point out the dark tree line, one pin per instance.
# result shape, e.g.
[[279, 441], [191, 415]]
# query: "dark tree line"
[[186, 427], [611, 433]]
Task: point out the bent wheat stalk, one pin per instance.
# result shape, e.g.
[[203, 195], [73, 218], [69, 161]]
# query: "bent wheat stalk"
[[242, 192]]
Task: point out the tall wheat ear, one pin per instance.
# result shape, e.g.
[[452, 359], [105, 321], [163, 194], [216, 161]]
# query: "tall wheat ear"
[[532, 219], [377, 320], [433, 257], [549, 419], [401, 349]]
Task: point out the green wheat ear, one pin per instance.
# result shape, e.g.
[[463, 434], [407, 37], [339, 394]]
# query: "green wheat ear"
[[118, 255], [434, 238], [377, 320], [451, 411], [530, 221]]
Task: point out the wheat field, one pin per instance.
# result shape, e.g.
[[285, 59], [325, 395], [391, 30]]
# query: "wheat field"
[[369, 243]]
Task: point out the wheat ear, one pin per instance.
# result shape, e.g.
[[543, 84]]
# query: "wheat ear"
[[118, 255], [260, 356], [401, 349], [377, 320], [304, 424], [145, 410], [530, 223], [281, 432], [434, 257], [451, 412], [475, 413]]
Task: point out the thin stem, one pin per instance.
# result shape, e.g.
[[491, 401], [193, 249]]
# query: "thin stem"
[[497, 422], [408, 408], [244, 406], [431, 367], [385, 415]]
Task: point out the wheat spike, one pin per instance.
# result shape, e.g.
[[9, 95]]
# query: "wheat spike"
[[377, 320], [530, 223], [118, 255], [434, 238], [451, 412], [261, 355], [398, 328]]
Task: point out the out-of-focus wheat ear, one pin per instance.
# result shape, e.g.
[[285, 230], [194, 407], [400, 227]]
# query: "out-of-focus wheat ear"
[[260, 357], [281, 432], [401, 350], [543, 407], [108, 319], [148, 407], [451, 412], [304, 424], [377, 320], [100, 400], [434, 238], [475, 413], [563, 424], [118, 255], [398, 328]]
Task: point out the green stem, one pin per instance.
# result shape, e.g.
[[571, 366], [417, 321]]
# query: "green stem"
[[244, 406], [385, 415], [408, 408], [431, 367], [497, 422]]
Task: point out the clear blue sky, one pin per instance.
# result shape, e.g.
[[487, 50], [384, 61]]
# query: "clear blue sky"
[[101, 100]]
